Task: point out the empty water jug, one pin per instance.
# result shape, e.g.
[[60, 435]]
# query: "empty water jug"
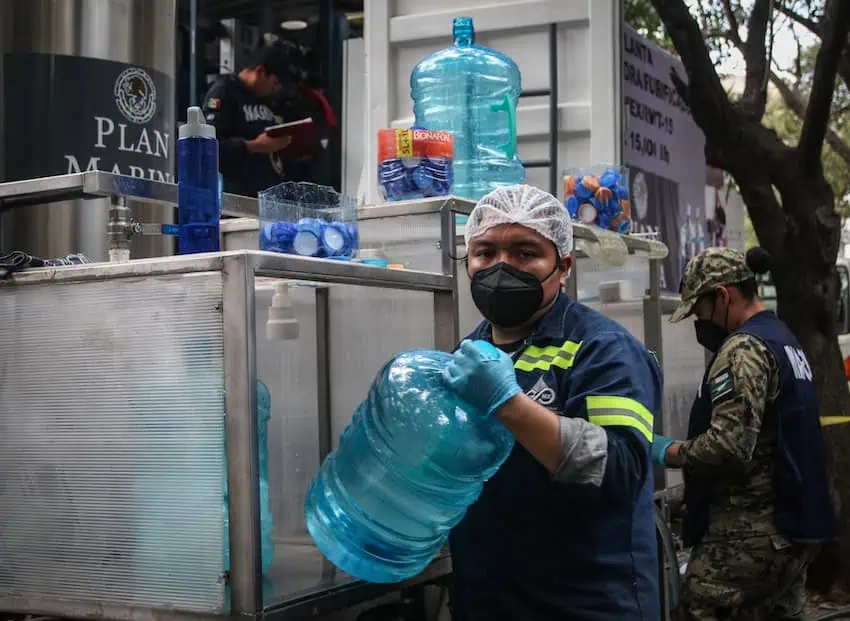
[[410, 463], [264, 414], [472, 91]]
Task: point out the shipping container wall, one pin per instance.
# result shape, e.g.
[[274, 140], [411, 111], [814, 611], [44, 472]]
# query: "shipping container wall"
[[400, 33]]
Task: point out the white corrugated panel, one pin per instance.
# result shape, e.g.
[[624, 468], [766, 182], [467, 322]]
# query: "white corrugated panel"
[[400, 33], [112, 443]]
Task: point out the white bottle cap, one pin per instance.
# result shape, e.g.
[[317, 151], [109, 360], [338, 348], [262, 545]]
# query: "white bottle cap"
[[194, 127]]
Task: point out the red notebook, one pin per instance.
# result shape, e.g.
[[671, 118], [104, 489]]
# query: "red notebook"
[[305, 138]]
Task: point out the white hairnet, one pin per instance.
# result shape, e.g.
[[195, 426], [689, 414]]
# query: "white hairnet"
[[526, 205]]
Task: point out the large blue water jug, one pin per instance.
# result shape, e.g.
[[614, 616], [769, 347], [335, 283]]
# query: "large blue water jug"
[[472, 91], [264, 414], [410, 463]]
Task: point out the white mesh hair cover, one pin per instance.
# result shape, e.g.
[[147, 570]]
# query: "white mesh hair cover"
[[525, 205]]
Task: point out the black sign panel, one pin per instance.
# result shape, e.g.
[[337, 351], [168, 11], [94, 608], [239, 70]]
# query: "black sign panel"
[[655, 209], [68, 114]]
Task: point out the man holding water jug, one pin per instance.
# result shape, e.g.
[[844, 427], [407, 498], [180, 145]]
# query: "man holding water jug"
[[565, 529]]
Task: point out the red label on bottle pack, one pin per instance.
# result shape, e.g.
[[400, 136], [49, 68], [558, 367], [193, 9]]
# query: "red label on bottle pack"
[[412, 143]]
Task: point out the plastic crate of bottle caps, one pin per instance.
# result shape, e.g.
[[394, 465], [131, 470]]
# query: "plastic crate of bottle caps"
[[308, 220], [415, 163], [599, 196]]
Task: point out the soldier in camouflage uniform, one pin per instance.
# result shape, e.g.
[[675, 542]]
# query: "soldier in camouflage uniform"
[[756, 489]]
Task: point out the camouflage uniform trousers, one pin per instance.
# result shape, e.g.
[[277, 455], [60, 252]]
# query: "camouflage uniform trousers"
[[758, 578]]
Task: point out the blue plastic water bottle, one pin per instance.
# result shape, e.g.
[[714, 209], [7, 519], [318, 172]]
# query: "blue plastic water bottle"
[[472, 91], [264, 414], [198, 191], [408, 466]]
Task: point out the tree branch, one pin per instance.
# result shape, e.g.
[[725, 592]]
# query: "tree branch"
[[796, 103], [810, 25], [733, 21], [754, 100], [844, 65], [817, 29], [704, 92], [816, 118]]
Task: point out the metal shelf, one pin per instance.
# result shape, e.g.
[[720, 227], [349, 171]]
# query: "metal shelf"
[[270, 264], [95, 184]]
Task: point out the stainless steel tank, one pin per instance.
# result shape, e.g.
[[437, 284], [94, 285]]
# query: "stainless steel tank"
[[85, 84]]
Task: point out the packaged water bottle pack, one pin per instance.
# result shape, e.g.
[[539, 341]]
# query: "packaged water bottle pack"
[[415, 163], [599, 196]]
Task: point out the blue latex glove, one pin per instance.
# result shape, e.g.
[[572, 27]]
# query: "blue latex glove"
[[482, 375], [660, 444]]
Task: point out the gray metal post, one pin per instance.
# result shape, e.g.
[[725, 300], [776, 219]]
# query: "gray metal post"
[[554, 113], [446, 315], [118, 229], [652, 340], [193, 52], [323, 371], [323, 397], [240, 385], [652, 311]]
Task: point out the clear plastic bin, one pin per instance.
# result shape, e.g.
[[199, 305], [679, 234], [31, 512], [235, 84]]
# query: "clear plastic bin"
[[308, 220], [599, 196]]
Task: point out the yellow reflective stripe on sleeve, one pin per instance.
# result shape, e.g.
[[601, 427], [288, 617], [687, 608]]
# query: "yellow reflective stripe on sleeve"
[[544, 358], [826, 421], [620, 412]]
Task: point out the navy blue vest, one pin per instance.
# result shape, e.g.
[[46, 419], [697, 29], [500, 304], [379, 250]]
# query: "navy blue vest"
[[803, 507], [532, 549]]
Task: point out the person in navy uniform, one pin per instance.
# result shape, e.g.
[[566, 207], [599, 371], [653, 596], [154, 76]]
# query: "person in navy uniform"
[[564, 531], [242, 105], [757, 494]]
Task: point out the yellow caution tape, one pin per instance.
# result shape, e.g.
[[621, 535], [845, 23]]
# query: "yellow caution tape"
[[833, 420]]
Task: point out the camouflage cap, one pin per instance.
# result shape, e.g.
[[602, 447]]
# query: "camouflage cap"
[[707, 270]]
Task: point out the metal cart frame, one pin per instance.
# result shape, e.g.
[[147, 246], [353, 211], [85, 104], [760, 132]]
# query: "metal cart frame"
[[239, 269]]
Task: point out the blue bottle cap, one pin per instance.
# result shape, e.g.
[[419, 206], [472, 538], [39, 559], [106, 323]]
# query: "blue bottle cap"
[[609, 179], [375, 262], [581, 191], [353, 235], [280, 232], [308, 237], [335, 238], [306, 244], [421, 178]]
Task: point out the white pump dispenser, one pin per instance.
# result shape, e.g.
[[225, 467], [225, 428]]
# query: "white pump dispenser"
[[282, 324]]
